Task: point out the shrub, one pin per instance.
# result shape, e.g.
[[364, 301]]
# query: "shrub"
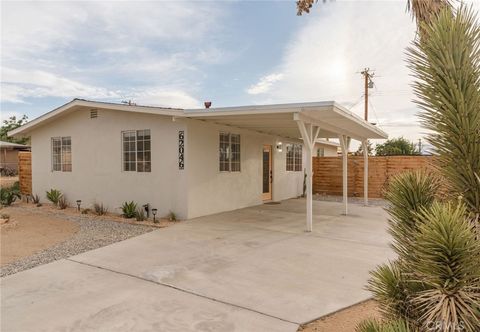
[[129, 209], [62, 203], [140, 215], [8, 196], [85, 211], [99, 209], [373, 325], [54, 195], [5, 216], [172, 216], [35, 199]]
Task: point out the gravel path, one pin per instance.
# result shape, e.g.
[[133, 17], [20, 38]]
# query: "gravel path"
[[93, 234]]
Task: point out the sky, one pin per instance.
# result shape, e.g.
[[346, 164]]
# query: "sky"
[[182, 53]]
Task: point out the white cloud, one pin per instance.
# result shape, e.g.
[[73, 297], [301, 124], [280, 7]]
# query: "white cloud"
[[323, 60], [264, 84], [162, 96]]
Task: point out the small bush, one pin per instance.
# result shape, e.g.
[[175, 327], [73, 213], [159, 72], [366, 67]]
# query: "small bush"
[[140, 215], [172, 216], [35, 199], [129, 209], [5, 216], [85, 211], [62, 203], [54, 196], [38, 204], [8, 196], [99, 209]]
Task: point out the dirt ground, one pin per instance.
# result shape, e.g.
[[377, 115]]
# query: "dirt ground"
[[28, 233], [345, 320]]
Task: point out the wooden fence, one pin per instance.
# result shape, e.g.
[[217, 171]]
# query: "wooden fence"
[[25, 171], [327, 173]]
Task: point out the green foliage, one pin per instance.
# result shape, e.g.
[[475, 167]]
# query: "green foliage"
[[140, 215], [35, 199], [54, 196], [408, 193], [396, 147], [359, 151], [129, 209], [11, 124], [373, 325], [172, 216], [446, 66], [8, 196], [447, 265], [99, 209], [62, 202]]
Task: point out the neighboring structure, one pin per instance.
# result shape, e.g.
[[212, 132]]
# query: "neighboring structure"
[[192, 162], [9, 156]]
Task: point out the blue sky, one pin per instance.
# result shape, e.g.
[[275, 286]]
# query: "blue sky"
[[180, 54]]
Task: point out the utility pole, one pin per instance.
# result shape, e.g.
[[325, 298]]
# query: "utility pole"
[[368, 84]]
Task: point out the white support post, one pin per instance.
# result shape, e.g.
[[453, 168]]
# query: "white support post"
[[365, 172], [309, 136], [344, 145]]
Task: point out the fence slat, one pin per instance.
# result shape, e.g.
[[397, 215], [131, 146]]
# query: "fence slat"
[[327, 173], [25, 172]]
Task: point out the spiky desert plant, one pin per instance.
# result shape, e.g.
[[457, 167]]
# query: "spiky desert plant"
[[447, 267], [409, 193], [373, 325], [54, 196], [447, 87]]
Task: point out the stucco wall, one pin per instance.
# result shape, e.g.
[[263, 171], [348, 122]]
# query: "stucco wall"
[[97, 174], [212, 191]]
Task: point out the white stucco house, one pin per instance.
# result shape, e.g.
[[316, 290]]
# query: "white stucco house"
[[193, 162]]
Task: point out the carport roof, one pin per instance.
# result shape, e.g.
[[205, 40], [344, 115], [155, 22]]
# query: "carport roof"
[[279, 119]]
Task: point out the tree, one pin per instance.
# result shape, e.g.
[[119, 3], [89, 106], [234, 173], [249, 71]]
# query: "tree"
[[359, 151], [396, 147], [10, 124]]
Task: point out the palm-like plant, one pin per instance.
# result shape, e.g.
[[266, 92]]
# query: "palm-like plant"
[[376, 326], [446, 65]]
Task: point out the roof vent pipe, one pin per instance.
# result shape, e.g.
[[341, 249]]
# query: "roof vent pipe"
[[207, 104]]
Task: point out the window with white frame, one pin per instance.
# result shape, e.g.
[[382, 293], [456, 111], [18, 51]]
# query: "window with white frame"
[[294, 157], [62, 154], [229, 152], [136, 145]]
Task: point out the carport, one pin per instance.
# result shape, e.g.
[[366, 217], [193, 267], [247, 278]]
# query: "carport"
[[306, 122]]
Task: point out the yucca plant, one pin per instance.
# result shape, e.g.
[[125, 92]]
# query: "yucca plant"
[[447, 86], [409, 193], [54, 195], [129, 209], [62, 202], [373, 325], [446, 266]]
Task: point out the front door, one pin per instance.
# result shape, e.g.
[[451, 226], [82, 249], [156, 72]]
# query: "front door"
[[267, 173]]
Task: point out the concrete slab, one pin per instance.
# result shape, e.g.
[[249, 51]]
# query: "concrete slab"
[[261, 259], [253, 269], [68, 296]]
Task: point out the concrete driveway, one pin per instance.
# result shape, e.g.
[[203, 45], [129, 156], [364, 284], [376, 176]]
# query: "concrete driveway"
[[253, 269]]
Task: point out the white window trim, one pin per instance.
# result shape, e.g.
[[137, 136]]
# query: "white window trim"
[[123, 152], [230, 149], [60, 138], [293, 163]]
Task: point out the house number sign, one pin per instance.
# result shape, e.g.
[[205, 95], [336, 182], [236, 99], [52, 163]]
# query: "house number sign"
[[181, 149]]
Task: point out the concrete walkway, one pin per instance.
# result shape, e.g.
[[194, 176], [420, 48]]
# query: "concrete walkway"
[[253, 269]]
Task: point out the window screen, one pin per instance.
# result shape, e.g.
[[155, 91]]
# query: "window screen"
[[62, 154], [137, 150], [229, 152]]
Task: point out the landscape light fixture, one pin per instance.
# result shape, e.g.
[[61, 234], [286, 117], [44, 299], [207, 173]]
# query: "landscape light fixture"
[[79, 202], [154, 212], [279, 146]]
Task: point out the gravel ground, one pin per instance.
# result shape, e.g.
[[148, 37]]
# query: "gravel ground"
[[354, 200], [92, 234]]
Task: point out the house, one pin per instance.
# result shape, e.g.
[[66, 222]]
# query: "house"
[[193, 162], [9, 156]]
